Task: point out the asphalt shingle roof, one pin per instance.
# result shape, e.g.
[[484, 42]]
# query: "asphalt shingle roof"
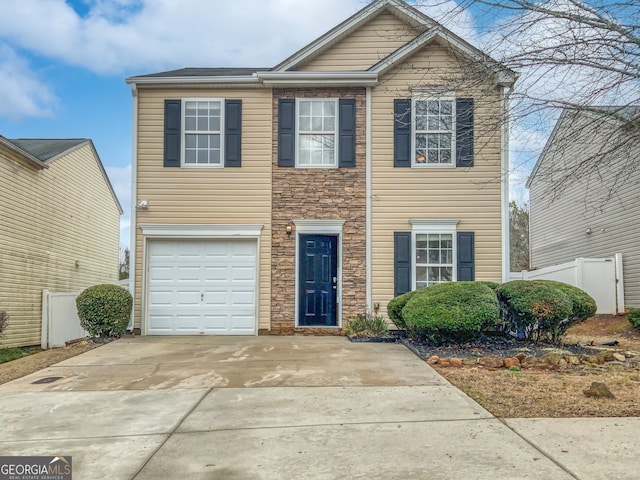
[[45, 149]]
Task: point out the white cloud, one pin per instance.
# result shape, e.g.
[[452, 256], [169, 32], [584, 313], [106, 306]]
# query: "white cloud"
[[22, 93], [119, 35]]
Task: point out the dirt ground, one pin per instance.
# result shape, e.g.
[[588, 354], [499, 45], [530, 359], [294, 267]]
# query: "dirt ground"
[[533, 393], [32, 363]]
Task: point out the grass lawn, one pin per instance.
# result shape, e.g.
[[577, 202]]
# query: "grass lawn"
[[8, 354]]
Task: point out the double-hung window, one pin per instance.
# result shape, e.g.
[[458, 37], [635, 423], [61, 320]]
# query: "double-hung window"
[[434, 131], [317, 128], [203, 132], [434, 252]]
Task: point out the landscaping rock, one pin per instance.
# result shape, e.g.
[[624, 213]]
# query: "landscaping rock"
[[607, 356], [619, 357], [511, 362], [572, 360], [598, 390], [456, 362], [433, 360], [594, 359], [529, 361], [521, 356], [491, 362], [551, 358], [444, 362]]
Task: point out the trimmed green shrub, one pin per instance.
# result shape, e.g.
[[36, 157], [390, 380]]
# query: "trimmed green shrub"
[[634, 316], [491, 285], [582, 304], [367, 325], [104, 310], [534, 310], [451, 312], [395, 306]]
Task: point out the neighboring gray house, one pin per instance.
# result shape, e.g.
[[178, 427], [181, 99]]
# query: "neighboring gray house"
[[585, 193]]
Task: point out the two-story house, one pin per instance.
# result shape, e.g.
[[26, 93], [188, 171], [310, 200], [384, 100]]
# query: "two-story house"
[[288, 199]]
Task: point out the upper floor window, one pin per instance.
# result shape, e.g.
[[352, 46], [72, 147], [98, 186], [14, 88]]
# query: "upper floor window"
[[433, 131], [203, 133], [317, 127]]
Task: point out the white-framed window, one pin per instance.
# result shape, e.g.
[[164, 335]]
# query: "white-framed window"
[[317, 132], [433, 120], [434, 252], [202, 130]]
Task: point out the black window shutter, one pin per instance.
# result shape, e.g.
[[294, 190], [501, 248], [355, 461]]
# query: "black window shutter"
[[401, 263], [287, 132], [233, 133], [464, 132], [172, 132], [347, 133], [402, 132], [466, 257]]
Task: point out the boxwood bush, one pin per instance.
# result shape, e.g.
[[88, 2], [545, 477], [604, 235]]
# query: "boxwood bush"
[[395, 306], [104, 310], [534, 310], [582, 304], [451, 312], [634, 317]]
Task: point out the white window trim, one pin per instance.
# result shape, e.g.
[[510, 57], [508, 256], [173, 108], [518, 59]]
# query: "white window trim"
[[183, 132], [319, 227], [336, 132], [422, 95], [443, 226]]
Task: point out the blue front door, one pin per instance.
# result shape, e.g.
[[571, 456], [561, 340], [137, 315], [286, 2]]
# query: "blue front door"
[[318, 278]]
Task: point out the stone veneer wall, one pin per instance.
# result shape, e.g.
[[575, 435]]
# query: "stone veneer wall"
[[318, 194]]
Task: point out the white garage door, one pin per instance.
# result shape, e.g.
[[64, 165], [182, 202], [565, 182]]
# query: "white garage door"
[[202, 287]]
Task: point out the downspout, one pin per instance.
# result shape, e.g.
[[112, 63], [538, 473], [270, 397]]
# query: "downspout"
[[368, 198], [504, 184], [134, 193]]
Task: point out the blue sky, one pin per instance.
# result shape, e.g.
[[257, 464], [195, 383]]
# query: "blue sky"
[[63, 64]]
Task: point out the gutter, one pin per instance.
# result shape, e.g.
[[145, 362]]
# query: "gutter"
[[318, 78], [134, 194], [368, 201]]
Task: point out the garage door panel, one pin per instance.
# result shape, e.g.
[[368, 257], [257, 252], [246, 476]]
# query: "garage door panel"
[[242, 299], [216, 274], [202, 286], [186, 298]]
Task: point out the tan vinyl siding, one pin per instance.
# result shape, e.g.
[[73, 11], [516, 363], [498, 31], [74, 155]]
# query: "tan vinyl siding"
[[50, 219], [470, 195], [365, 47], [558, 228], [207, 195]]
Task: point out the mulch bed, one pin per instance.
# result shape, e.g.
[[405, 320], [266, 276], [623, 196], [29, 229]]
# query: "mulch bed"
[[494, 346]]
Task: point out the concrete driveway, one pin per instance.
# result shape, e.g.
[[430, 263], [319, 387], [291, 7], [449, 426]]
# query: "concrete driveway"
[[286, 408]]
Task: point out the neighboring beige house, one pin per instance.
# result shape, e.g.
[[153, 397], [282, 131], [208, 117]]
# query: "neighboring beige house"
[[60, 224], [593, 212], [288, 199]]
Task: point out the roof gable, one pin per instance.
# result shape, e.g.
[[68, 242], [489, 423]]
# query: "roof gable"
[[400, 9], [569, 129]]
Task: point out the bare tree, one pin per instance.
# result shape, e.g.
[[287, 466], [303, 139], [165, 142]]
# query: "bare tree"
[[573, 57], [123, 268]]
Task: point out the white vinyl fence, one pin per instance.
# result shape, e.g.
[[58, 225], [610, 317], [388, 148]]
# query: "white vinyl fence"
[[599, 277], [60, 322]]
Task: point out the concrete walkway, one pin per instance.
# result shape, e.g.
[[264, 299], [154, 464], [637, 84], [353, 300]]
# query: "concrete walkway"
[[289, 408]]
